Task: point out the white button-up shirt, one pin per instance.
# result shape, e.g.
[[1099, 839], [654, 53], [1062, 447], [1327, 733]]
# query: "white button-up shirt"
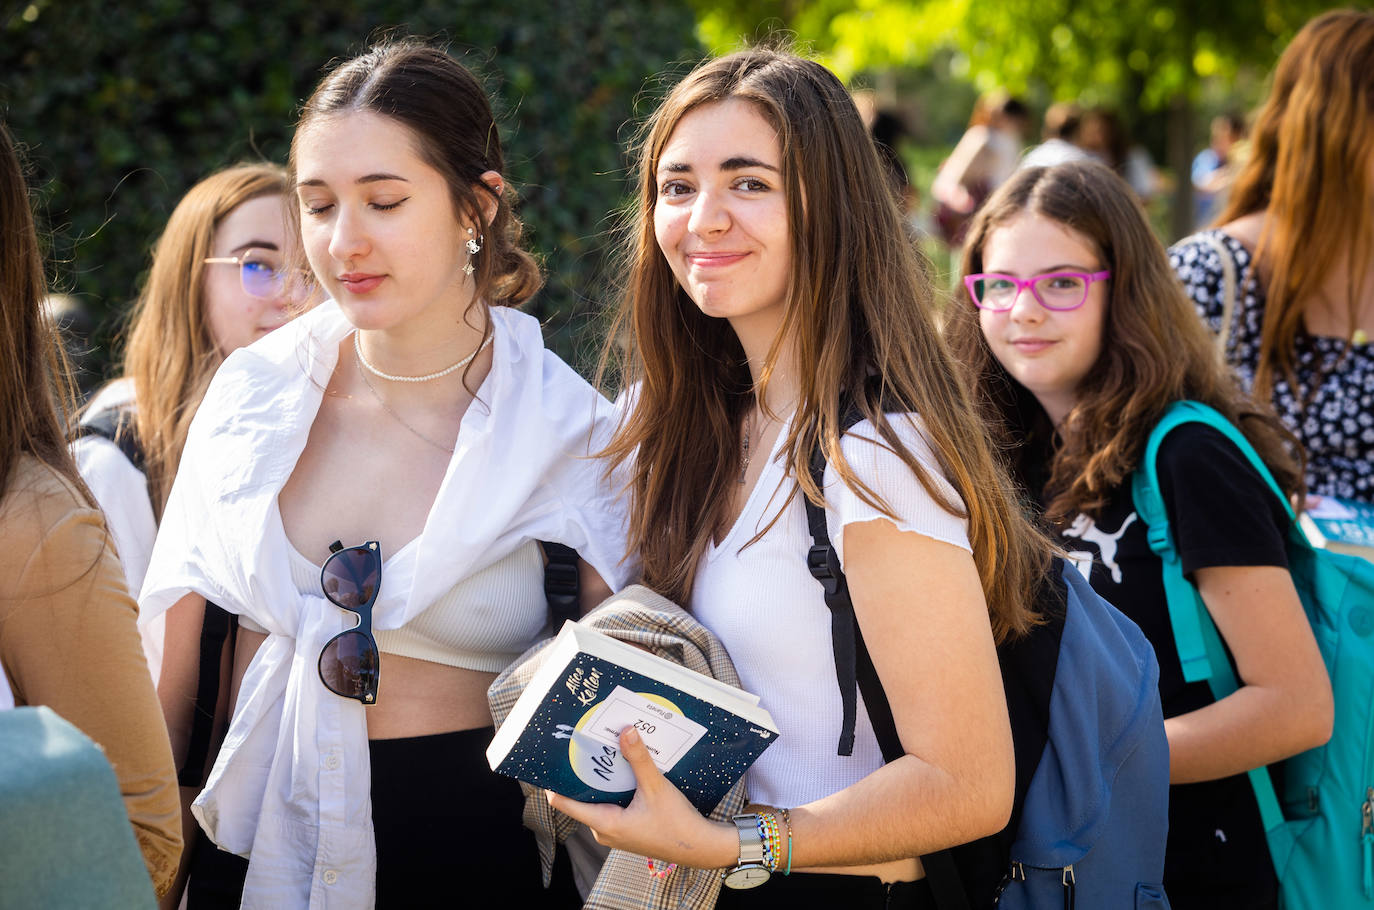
[[291, 786]]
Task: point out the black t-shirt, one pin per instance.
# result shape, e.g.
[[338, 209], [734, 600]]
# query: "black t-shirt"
[[1222, 513]]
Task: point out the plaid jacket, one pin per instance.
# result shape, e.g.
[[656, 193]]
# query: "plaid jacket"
[[641, 617]]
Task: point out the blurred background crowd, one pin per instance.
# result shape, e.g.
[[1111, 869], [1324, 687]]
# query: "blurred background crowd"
[[120, 107]]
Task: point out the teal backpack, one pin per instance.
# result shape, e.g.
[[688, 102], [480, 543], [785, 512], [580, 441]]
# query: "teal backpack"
[[1321, 828]]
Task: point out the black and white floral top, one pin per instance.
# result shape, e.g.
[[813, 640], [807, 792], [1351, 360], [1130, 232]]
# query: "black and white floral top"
[[1337, 428]]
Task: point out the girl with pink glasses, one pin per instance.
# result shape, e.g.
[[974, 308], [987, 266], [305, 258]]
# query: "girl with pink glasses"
[[1078, 338]]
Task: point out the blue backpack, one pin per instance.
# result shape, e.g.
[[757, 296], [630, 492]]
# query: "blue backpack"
[[1090, 817], [1321, 830]]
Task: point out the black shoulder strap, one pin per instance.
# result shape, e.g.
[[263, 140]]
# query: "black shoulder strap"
[[218, 625], [854, 669], [116, 425], [562, 586]]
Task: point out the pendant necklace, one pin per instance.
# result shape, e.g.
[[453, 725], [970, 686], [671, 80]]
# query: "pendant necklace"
[[744, 459], [399, 419]]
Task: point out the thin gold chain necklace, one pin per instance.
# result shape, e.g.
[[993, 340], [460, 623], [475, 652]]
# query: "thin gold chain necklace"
[[399, 419]]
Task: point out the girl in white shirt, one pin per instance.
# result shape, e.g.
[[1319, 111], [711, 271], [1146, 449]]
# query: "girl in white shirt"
[[770, 283], [415, 421]]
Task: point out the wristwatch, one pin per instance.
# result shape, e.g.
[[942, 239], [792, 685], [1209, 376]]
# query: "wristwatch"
[[750, 871]]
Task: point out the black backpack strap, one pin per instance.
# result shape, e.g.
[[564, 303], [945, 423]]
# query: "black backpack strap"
[[824, 564], [218, 626], [854, 670], [562, 586], [116, 425]]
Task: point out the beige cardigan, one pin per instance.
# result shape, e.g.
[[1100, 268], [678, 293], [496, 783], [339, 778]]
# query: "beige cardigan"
[[69, 640]]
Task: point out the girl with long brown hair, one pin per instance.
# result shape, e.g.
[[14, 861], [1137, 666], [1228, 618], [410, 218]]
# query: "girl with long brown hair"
[[68, 633], [215, 285], [366, 490], [1078, 338], [218, 281], [1293, 251], [770, 286]]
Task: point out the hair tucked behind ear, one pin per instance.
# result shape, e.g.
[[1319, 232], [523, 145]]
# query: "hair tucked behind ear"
[[445, 108], [859, 305], [1155, 349]]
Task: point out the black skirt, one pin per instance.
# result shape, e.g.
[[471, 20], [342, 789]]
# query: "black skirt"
[[448, 831]]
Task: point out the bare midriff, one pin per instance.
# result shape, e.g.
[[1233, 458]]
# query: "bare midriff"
[[415, 697]]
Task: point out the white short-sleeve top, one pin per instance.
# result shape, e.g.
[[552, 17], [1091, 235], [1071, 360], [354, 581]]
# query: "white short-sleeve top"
[[764, 605], [121, 491]]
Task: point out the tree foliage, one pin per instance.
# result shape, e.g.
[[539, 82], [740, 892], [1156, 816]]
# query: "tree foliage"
[[1100, 50], [123, 106]]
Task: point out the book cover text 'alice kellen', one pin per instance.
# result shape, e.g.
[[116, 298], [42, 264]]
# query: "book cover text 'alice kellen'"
[[563, 733]]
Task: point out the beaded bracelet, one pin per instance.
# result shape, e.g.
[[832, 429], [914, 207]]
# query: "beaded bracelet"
[[787, 819], [772, 840]]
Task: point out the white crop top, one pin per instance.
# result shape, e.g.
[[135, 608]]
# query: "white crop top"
[[484, 622]]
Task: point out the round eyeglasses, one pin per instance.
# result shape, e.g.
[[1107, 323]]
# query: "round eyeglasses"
[[1055, 290], [262, 275]]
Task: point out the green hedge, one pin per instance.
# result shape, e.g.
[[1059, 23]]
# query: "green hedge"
[[124, 105]]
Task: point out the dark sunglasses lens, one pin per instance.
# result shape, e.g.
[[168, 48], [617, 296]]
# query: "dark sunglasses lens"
[[350, 577], [349, 665]]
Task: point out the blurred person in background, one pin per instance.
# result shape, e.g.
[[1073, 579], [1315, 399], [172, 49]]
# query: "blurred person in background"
[[217, 283], [1058, 137], [1296, 239], [74, 324], [986, 155], [1214, 168], [1103, 136], [68, 626]]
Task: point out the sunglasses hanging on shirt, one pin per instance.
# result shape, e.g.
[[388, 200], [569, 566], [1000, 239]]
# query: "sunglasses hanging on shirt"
[[350, 664]]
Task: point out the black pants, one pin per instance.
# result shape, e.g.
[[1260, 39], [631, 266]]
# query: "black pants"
[[448, 832], [806, 890]]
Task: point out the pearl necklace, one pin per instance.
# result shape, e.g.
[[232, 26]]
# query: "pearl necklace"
[[358, 348]]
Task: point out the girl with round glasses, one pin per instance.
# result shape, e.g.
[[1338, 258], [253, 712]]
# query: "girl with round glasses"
[[217, 283], [194, 311], [771, 284], [68, 634], [366, 490], [1078, 337]]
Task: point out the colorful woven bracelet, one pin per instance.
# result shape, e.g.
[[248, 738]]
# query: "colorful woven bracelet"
[[771, 836]]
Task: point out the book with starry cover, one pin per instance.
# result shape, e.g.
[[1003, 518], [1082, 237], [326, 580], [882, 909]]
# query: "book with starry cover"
[[1342, 525], [563, 733]]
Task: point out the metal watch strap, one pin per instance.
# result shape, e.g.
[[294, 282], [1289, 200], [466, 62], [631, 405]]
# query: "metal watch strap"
[[750, 841]]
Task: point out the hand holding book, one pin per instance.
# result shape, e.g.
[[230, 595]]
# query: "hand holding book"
[[659, 822], [564, 731]]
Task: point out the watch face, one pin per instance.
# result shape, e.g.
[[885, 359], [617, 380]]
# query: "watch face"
[[750, 876]]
